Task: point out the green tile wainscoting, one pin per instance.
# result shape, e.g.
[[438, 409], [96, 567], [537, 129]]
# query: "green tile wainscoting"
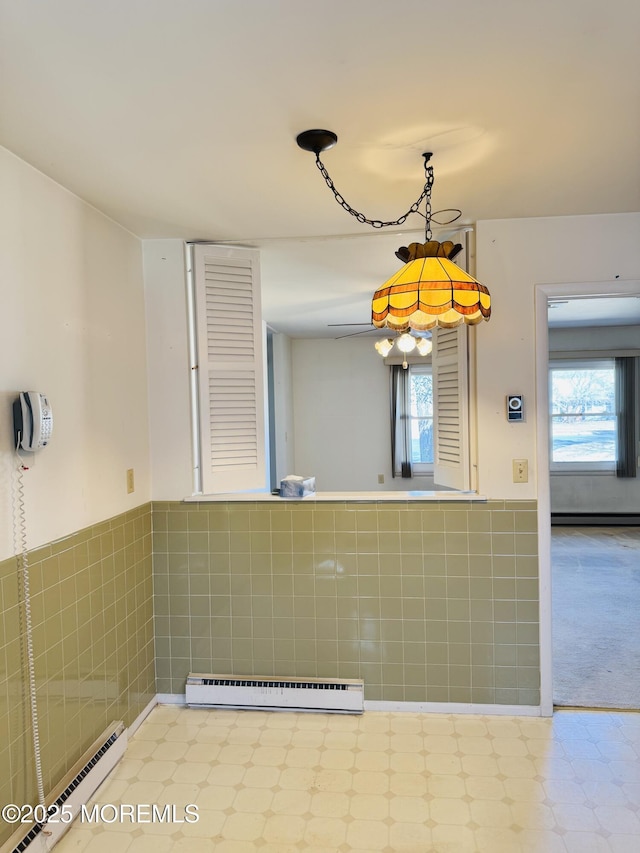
[[427, 602], [92, 617]]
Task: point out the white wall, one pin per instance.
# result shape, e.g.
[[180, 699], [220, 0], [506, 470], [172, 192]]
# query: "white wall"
[[283, 406], [602, 492], [513, 256], [594, 338], [342, 416], [73, 327]]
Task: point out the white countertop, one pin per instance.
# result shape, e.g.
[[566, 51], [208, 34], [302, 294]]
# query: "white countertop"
[[349, 497]]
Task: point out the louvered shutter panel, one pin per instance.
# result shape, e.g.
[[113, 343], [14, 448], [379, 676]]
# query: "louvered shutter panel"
[[230, 369], [450, 408]]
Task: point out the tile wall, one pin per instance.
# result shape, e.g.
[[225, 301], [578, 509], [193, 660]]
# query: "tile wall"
[[93, 642], [433, 602]]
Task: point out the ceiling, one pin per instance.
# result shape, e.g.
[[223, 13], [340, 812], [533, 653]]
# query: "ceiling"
[[178, 119], [566, 312]]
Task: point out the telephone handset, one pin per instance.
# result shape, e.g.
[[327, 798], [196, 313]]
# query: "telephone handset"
[[32, 421]]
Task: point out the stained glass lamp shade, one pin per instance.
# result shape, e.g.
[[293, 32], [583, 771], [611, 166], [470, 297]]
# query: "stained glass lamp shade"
[[430, 292]]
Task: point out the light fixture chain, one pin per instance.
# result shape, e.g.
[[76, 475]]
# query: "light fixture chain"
[[427, 205], [377, 223]]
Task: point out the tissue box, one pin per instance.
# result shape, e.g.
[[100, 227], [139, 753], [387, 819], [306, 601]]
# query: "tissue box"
[[297, 487]]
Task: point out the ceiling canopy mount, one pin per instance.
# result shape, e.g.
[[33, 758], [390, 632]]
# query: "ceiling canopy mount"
[[316, 140]]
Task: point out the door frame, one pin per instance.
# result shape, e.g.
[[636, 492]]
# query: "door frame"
[[542, 294]]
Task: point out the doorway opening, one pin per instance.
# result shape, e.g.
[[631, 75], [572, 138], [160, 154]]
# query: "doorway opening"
[[589, 501]]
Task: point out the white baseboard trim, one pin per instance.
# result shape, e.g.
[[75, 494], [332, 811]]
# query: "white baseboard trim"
[[412, 707], [171, 699], [454, 708], [139, 720]]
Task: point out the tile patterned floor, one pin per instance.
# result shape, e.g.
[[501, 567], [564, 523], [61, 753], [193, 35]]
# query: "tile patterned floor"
[[379, 783]]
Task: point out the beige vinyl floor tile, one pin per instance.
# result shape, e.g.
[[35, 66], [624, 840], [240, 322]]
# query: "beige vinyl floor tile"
[[389, 782]]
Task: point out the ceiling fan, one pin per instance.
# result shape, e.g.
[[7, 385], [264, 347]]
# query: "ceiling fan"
[[370, 328], [382, 333]]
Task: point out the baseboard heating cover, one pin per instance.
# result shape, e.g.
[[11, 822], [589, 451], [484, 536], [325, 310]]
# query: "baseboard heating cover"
[[344, 695], [595, 519], [72, 792]]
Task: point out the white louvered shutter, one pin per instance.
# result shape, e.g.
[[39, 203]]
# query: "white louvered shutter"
[[451, 408], [230, 369]]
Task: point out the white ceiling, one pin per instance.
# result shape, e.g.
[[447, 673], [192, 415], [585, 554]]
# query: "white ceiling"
[[178, 119], [566, 312]]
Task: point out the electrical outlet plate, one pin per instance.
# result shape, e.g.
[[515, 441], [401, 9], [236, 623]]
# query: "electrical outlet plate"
[[130, 481]]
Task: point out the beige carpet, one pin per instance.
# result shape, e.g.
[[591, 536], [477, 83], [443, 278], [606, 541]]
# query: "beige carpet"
[[596, 616]]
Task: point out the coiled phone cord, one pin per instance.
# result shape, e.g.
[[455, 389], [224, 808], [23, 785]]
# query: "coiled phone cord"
[[20, 547]]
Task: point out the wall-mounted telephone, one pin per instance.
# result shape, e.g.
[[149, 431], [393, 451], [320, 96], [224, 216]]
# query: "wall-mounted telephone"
[[32, 421]]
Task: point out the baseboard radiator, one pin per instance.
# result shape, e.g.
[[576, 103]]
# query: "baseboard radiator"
[[74, 791], [345, 695], [595, 519]]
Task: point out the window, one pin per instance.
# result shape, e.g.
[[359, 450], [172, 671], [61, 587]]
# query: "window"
[[583, 415], [412, 418], [420, 418]]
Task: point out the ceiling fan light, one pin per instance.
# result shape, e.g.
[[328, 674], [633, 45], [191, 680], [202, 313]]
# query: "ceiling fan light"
[[424, 346], [406, 343], [384, 346]]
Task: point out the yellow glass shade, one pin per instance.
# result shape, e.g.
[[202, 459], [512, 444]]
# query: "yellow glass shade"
[[429, 292]]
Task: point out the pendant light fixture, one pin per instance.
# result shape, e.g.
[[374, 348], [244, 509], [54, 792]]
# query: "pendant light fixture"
[[430, 290]]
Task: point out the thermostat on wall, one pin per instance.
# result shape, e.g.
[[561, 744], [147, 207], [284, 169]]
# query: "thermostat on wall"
[[515, 407]]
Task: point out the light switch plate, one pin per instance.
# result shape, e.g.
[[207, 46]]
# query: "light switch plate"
[[520, 470]]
